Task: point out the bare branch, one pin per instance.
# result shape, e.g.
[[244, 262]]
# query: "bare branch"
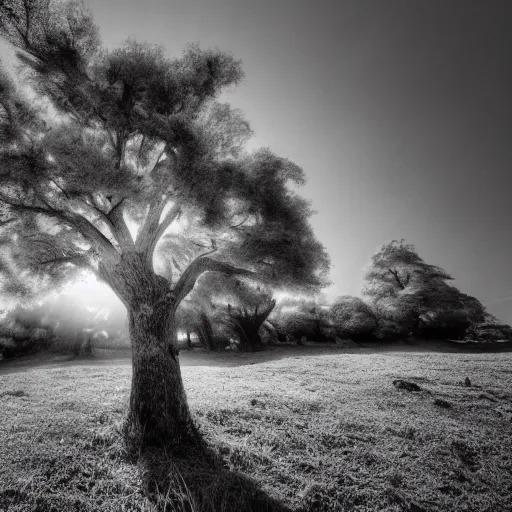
[[397, 279], [173, 214], [157, 163], [116, 218], [141, 148], [105, 218], [66, 195], [176, 264]]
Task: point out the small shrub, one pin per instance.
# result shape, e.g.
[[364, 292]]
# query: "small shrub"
[[390, 330], [247, 325], [489, 331], [24, 332], [298, 321], [352, 318]]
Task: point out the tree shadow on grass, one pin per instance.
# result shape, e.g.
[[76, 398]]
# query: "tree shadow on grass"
[[197, 480]]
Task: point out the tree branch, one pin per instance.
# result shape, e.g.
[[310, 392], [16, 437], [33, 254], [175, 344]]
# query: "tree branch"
[[78, 260], [90, 232], [150, 232], [152, 229], [241, 223], [173, 214], [106, 220], [150, 226], [95, 201], [199, 266], [397, 279], [116, 218]]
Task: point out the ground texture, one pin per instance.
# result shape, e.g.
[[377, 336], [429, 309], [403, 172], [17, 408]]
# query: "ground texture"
[[319, 429]]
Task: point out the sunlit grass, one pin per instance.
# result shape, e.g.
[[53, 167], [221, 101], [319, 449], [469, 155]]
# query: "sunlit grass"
[[327, 432]]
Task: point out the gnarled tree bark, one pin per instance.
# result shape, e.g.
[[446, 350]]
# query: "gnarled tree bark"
[[158, 414]]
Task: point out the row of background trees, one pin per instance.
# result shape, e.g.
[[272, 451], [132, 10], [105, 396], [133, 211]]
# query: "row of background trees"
[[402, 297]]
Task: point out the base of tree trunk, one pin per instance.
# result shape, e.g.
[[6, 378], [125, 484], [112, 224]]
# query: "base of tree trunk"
[[158, 414], [137, 441]]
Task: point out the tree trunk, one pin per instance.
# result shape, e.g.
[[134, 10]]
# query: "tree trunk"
[[77, 344], [247, 324], [87, 344], [205, 332], [159, 414], [415, 327]]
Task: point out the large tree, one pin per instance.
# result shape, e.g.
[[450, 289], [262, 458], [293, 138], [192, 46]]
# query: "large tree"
[[402, 286], [133, 146]]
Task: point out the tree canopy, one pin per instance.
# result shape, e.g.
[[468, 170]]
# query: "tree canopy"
[[141, 140], [139, 151], [402, 286]]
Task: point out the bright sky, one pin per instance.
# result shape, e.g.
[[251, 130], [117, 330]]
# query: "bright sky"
[[398, 111]]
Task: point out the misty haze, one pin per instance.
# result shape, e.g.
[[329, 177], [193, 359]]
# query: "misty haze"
[[254, 256]]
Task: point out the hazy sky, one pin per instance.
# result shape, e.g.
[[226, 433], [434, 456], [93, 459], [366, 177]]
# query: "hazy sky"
[[397, 110]]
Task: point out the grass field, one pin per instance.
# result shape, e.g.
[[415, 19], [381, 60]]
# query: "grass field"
[[320, 432]]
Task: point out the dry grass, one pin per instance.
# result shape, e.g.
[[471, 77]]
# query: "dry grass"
[[322, 433]]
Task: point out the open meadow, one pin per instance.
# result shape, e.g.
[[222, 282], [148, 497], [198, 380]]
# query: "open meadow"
[[320, 429]]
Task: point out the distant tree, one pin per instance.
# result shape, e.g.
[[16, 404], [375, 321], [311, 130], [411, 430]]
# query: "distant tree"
[[451, 313], [353, 318], [186, 320], [248, 315], [402, 287], [205, 313], [24, 330], [209, 328], [141, 144], [489, 330], [299, 318], [14, 284], [223, 308]]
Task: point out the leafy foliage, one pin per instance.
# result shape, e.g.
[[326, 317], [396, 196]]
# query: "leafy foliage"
[[415, 295], [489, 330], [201, 314], [139, 140], [296, 318], [24, 331], [226, 310], [353, 318]]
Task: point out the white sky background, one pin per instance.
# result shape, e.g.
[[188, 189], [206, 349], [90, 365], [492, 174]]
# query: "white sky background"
[[398, 112]]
